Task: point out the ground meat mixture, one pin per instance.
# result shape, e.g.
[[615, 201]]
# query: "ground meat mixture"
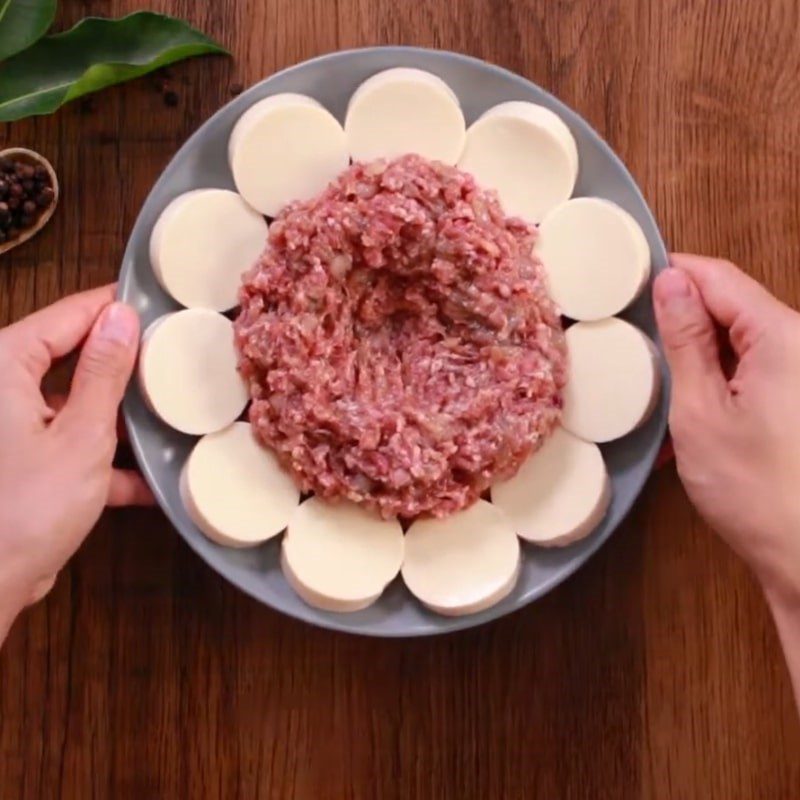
[[398, 340]]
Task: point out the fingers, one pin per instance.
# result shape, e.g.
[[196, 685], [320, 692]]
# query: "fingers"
[[103, 369], [55, 402], [732, 297], [690, 341], [56, 330], [128, 488]]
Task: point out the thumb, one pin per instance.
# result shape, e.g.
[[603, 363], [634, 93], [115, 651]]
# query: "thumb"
[[689, 336], [104, 366]]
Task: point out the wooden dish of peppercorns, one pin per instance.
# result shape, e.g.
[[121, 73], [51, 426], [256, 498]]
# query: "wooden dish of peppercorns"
[[28, 195]]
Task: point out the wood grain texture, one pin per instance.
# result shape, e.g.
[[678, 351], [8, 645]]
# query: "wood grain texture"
[[653, 673]]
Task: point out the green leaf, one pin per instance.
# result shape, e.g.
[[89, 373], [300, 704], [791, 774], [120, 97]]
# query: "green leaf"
[[23, 22], [94, 54]]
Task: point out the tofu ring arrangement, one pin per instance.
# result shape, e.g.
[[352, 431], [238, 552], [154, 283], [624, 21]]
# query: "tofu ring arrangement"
[[398, 343]]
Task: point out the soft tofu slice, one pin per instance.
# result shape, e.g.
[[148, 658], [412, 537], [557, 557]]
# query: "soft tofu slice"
[[235, 490], [613, 379], [595, 255], [188, 374], [201, 245], [526, 153], [463, 563], [340, 557], [285, 148], [560, 494], [539, 115], [405, 110]]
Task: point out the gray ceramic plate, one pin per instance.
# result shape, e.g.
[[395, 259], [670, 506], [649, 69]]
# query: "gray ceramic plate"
[[202, 162]]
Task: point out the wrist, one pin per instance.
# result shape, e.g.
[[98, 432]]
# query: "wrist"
[[782, 593], [774, 555]]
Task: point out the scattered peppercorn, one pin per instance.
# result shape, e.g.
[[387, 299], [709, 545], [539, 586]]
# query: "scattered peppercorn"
[[45, 197], [26, 192], [171, 99]]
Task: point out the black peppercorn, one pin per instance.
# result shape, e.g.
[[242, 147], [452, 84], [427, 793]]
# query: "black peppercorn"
[[6, 164], [45, 197], [16, 190], [171, 99], [25, 221], [28, 186], [29, 207], [4, 211], [3, 189], [41, 174], [2, 236], [13, 203]]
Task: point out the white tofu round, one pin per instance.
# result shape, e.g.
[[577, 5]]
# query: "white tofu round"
[[560, 494], [405, 110], [464, 563], [201, 245], [340, 557], [284, 148], [235, 490], [539, 115], [188, 371], [595, 255], [613, 379], [526, 153]]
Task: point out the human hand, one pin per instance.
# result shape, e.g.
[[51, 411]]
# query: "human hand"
[[736, 436], [56, 471]]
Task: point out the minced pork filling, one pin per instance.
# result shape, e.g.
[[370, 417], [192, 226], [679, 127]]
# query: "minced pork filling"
[[399, 342]]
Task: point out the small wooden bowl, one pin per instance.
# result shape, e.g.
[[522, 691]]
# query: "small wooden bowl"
[[36, 160]]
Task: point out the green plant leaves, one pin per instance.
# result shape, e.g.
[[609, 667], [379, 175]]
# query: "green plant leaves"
[[94, 54], [23, 22]]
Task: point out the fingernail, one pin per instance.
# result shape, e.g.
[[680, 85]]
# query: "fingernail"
[[673, 286], [119, 323]]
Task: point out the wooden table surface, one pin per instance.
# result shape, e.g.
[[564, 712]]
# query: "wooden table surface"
[[653, 673]]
